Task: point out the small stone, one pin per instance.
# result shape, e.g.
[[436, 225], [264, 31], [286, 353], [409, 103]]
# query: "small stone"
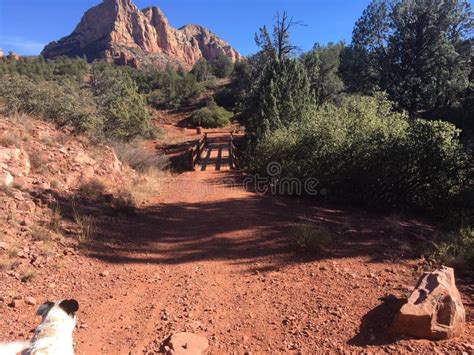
[[30, 301], [14, 304], [188, 343], [104, 273], [18, 195]]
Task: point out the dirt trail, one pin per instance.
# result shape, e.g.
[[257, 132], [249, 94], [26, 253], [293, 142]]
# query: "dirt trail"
[[214, 259], [209, 257]]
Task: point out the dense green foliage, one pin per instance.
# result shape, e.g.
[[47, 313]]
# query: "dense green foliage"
[[212, 116], [357, 142], [363, 151], [418, 51], [40, 69], [167, 88], [201, 70], [322, 66], [63, 102], [123, 110], [222, 66], [278, 92], [101, 100]]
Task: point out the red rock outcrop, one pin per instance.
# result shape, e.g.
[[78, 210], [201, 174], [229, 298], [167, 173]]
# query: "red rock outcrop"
[[434, 310], [116, 30]]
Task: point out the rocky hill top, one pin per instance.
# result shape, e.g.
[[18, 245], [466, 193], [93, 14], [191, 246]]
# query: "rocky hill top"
[[116, 30]]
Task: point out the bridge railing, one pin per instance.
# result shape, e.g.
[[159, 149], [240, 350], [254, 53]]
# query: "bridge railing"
[[232, 151], [196, 151]]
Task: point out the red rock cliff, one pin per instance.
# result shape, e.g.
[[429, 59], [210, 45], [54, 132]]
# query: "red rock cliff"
[[118, 31]]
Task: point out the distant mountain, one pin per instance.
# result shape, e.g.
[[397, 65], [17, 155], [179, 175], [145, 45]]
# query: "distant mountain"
[[116, 30]]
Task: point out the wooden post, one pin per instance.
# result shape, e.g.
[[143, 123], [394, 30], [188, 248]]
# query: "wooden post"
[[231, 151]]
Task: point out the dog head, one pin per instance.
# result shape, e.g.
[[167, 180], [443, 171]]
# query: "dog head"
[[62, 312]]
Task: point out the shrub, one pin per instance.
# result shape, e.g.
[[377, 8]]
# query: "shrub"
[[139, 158], [211, 83], [107, 106], [225, 97], [310, 237], [27, 274], [64, 103], [124, 202], [201, 70], [91, 190], [222, 66], [365, 152], [147, 186], [173, 90], [9, 139], [123, 108], [211, 117], [455, 249], [38, 68]]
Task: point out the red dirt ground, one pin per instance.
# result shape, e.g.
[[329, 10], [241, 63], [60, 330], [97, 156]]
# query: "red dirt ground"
[[209, 257]]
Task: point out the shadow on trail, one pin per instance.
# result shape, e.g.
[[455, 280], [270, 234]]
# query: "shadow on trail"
[[242, 230], [373, 329]]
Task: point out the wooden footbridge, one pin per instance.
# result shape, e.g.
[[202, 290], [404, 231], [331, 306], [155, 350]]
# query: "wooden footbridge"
[[214, 151]]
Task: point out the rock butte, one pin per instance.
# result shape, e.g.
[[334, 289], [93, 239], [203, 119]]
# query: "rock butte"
[[116, 30]]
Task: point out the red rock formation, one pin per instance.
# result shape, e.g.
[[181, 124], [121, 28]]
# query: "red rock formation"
[[117, 31], [434, 310]]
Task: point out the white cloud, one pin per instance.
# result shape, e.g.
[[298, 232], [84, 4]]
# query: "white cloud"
[[20, 45]]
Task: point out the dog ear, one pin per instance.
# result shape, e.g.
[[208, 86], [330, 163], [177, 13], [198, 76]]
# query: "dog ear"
[[69, 306], [44, 308]]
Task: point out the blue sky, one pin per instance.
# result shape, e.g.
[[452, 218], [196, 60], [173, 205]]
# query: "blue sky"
[[27, 25]]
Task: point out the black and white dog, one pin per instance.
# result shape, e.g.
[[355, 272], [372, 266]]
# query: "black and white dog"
[[53, 336]]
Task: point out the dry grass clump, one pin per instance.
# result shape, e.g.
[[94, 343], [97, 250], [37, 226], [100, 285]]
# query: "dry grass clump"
[[38, 162], [86, 225], [55, 218], [146, 186], [39, 233], [139, 158], [27, 274], [10, 139], [123, 201], [9, 258], [92, 189], [308, 236]]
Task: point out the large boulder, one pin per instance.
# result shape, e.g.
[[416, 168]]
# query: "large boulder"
[[434, 310], [187, 344]]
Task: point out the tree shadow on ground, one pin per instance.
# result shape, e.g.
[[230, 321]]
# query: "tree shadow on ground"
[[241, 230], [178, 155], [374, 327]]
